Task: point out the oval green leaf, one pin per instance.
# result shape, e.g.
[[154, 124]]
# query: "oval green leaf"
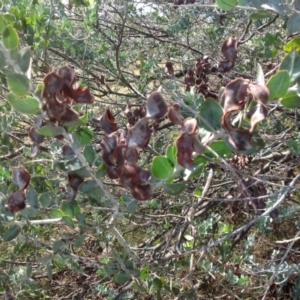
[[29, 212], [89, 154], [291, 63], [32, 198], [57, 245], [24, 59], [79, 241], [27, 105], [67, 209], [18, 84], [2, 24], [157, 283], [10, 38], [121, 278], [293, 23], [227, 4], [174, 188], [279, 84], [88, 186], [68, 221], [45, 199], [220, 147], [83, 136], [50, 130], [161, 168], [11, 233], [171, 154], [294, 44], [56, 213], [290, 100], [211, 112], [260, 14], [2, 60]]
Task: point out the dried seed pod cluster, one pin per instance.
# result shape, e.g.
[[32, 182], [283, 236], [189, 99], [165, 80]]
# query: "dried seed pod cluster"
[[233, 100], [60, 90], [120, 150], [16, 201], [229, 50]]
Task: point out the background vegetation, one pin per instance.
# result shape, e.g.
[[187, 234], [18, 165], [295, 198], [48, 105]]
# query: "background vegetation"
[[221, 224]]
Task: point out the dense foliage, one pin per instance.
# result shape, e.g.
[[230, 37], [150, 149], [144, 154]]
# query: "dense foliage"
[[149, 149]]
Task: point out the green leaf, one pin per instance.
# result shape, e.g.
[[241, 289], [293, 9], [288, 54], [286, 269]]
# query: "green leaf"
[[24, 59], [72, 125], [227, 4], [49, 271], [45, 199], [56, 213], [197, 169], [174, 188], [291, 63], [132, 206], [157, 283], [101, 171], [29, 212], [175, 290], [49, 130], [79, 241], [225, 227], [27, 105], [171, 154], [57, 246], [83, 136], [68, 221], [197, 192], [161, 168], [89, 154], [67, 209], [220, 147], [211, 112], [2, 24], [10, 38], [2, 60], [80, 218], [18, 84], [294, 44], [31, 197], [9, 18], [260, 14], [82, 172], [121, 278], [290, 100], [11, 233], [39, 90], [278, 84], [293, 23], [88, 186], [111, 269], [75, 207], [144, 273]]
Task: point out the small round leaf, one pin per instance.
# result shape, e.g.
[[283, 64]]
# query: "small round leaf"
[[83, 136], [49, 130], [27, 105], [211, 112], [10, 38], [161, 168], [11, 233], [18, 84], [279, 84]]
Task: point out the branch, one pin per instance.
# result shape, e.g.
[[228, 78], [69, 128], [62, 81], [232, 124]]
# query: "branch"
[[286, 192]]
